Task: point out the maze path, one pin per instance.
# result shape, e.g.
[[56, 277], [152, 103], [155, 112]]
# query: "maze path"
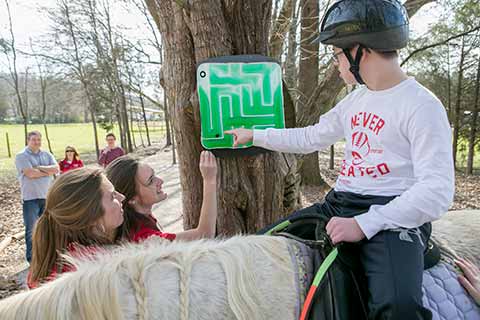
[[235, 95]]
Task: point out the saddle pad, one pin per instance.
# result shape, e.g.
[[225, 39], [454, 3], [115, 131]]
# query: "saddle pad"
[[445, 297], [302, 258]]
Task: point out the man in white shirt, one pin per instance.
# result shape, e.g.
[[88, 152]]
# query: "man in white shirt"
[[397, 174]]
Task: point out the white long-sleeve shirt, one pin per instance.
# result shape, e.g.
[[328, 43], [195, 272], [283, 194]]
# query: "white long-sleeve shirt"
[[398, 142]]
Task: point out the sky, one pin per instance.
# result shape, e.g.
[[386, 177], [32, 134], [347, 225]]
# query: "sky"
[[28, 22]]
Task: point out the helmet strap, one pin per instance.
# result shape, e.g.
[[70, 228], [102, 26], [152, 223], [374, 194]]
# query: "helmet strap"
[[355, 63]]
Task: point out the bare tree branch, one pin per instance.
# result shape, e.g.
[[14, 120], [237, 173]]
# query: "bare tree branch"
[[436, 44], [413, 6]]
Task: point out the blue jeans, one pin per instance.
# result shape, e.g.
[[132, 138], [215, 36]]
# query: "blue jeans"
[[32, 210]]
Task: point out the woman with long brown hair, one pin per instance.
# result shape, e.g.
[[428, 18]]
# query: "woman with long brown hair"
[[71, 161], [82, 212], [142, 189]]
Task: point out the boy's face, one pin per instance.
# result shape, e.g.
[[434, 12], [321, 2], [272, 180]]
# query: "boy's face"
[[343, 65]]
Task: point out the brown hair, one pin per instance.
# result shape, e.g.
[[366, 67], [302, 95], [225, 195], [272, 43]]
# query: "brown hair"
[[388, 54], [110, 135], [33, 133], [73, 207], [122, 174], [76, 156]]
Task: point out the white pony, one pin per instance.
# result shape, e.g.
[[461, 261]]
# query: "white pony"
[[201, 280], [244, 277]]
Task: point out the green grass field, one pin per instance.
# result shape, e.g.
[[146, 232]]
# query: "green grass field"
[[79, 135]]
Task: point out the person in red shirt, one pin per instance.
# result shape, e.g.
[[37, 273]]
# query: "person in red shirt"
[[71, 160], [142, 189], [111, 151], [82, 213]]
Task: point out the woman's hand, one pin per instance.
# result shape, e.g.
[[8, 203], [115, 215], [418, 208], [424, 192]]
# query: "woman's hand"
[[208, 166], [208, 213], [471, 279]]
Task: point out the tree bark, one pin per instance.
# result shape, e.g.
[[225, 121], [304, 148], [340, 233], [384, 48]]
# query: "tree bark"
[[449, 86], [458, 102], [145, 122], [25, 105], [95, 132], [280, 28], [168, 129], [307, 81], [43, 87], [473, 125], [290, 65], [131, 130]]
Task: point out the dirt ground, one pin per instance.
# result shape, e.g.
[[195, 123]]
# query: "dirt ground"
[[169, 212]]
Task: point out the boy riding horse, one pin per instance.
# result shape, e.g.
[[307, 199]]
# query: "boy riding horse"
[[397, 174]]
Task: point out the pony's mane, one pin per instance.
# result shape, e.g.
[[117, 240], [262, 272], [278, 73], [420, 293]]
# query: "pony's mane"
[[102, 287]]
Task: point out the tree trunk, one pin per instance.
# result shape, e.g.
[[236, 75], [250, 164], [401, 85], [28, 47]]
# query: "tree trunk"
[[251, 189], [126, 126], [25, 130], [140, 132], [458, 102], [170, 133], [473, 126], [290, 64], [145, 122], [25, 103], [47, 137], [43, 87], [119, 114], [95, 133], [168, 129], [307, 81], [131, 129], [280, 28], [308, 67], [449, 86]]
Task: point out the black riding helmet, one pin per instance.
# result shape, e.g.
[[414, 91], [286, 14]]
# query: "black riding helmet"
[[381, 25]]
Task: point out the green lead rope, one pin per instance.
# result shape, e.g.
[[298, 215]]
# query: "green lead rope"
[[278, 227], [316, 281]]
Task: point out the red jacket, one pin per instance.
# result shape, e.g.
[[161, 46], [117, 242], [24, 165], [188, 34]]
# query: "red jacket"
[[144, 232], [66, 166]]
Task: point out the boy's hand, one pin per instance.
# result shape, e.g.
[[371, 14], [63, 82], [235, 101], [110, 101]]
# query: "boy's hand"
[[471, 278], [240, 136], [344, 230], [208, 166]]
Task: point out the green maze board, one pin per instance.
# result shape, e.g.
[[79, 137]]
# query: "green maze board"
[[238, 92]]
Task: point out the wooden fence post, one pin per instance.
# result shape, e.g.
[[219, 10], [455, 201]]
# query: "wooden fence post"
[[8, 145]]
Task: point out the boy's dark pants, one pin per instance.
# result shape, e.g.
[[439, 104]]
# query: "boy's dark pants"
[[392, 260]]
